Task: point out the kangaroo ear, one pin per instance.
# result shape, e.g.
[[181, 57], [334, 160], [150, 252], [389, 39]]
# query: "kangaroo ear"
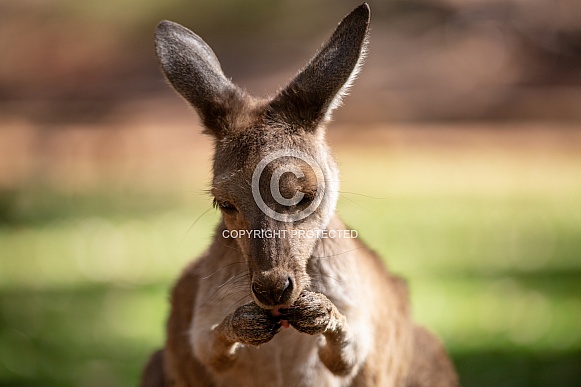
[[192, 68], [317, 90]]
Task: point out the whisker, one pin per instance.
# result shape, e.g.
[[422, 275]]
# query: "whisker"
[[239, 280], [354, 202], [335, 255], [227, 281], [238, 303], [315, 275], [193, 224], [365, 196], [223, 267], [226, 245], [222, 294]]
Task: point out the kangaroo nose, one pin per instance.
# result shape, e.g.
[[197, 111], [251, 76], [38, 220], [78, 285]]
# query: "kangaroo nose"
[[273, 292]]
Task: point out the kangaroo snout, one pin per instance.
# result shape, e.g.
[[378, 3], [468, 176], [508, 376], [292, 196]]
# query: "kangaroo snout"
[[271, 289]]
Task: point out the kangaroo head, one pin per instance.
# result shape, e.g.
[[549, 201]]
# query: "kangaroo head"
[[274, 179]]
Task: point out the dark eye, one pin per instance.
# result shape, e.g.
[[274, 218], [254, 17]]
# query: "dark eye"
[[307, 199], [225, 206]]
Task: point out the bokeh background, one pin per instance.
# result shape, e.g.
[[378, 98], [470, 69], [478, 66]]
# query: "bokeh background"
[[460, 151]]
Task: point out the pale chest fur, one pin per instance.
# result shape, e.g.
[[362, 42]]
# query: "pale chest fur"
[[290, 358]]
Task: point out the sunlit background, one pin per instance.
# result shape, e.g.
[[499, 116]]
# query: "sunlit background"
[[459, 146]]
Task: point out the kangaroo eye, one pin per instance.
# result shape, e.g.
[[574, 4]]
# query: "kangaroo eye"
[[307, 199], [225, 206]]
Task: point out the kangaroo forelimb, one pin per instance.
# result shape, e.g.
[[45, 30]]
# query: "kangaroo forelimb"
[[314, 313], [247, 325]]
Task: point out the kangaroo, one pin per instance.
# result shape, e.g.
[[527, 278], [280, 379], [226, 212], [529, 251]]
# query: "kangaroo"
[[284, 296]]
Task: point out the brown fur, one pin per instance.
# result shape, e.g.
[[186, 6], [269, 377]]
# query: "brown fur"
[[349, 318]]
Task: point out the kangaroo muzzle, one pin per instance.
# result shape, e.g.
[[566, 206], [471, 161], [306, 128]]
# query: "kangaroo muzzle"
[[273, 288]]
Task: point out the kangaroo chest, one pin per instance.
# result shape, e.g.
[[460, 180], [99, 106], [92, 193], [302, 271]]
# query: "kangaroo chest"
[[290, 359]]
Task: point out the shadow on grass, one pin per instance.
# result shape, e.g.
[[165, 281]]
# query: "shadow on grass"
[[552, 281], [516, 369], [94, 335], [101, 335]]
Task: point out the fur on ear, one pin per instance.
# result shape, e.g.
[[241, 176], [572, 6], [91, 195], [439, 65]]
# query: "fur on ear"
[[192, 68], [316, 91]]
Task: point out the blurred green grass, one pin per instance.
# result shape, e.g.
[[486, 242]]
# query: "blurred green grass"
[[496, 272]]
